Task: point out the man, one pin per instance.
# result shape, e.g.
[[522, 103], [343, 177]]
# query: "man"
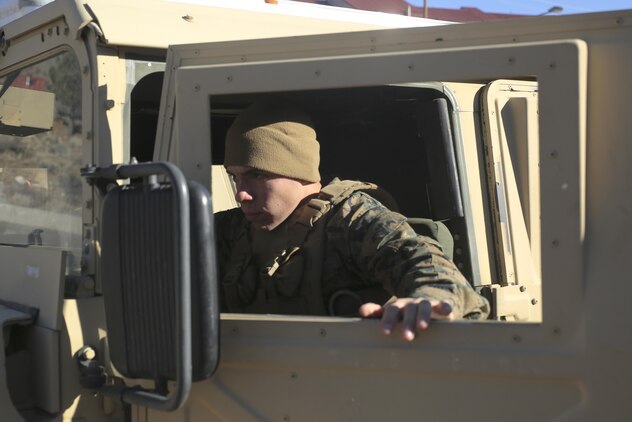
[[295, 247]]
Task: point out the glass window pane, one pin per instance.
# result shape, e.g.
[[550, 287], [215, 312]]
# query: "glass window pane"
[[40, 155]]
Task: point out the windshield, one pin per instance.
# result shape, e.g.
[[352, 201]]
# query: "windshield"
[[40, 156]]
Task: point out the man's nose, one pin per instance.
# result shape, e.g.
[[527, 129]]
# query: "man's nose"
[[242, 194]]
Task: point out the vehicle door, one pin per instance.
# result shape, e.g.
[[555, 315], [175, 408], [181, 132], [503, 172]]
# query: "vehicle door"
[[329, 368]]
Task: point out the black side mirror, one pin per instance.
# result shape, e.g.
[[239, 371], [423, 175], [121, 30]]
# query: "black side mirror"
[[159, 281]]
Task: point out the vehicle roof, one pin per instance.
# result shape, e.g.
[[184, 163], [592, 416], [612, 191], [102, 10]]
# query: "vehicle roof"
[[160, 23]]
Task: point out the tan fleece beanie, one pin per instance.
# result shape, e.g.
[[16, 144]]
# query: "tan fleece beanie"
[[274, 136]]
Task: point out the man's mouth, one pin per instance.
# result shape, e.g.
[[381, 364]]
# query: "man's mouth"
[[251, 214]]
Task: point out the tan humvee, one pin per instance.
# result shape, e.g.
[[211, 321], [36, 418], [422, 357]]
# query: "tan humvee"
[[512, 134]]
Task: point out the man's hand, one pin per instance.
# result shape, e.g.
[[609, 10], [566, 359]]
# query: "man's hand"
[[415, 314]]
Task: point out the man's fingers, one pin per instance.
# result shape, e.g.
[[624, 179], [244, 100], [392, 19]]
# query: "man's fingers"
[[423, 314], [390, 317], [409, 321], [414, 314], [370, 310], [442, 310]]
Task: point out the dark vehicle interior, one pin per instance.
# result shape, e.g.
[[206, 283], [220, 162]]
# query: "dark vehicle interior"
[[398, 137]]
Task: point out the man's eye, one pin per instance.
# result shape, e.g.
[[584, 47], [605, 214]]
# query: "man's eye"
[[260, 176]]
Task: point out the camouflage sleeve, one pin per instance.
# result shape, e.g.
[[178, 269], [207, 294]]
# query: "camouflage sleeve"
[[382, 248]]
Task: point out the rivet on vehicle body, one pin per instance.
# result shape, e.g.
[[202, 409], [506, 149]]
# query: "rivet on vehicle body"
[[196, 87], [294, 375], [619, 21], [229, 78], [317, 73], [512, 60], [196, 52], [516, 338], [187, 18], [523, 288], [553, 154], [557, 331], [286, 418], [534, 301], [323, 332], [555, 242], [411, 67], [552, 66], [234, 330]]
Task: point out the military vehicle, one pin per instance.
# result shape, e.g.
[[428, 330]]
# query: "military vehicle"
[[507, 140]]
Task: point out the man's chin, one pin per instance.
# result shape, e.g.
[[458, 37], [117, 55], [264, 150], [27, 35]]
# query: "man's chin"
[[268, 226]]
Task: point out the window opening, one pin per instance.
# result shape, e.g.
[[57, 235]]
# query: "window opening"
[[142, 103], [384, 135]]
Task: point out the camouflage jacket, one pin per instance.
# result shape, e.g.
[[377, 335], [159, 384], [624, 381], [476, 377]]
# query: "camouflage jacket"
[[363, 248]]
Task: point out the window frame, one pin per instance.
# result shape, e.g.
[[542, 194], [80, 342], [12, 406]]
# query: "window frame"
[[560, 68]]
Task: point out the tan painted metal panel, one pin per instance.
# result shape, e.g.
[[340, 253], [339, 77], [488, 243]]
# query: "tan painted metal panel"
[[510, 119], [44, 368], [475, 196], [450, 357], [222, 189], [9, 412], [342, 369], [26, 110], [129, 23], [34, 276]]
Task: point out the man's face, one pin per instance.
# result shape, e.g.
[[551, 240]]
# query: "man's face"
[[266, 199]]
